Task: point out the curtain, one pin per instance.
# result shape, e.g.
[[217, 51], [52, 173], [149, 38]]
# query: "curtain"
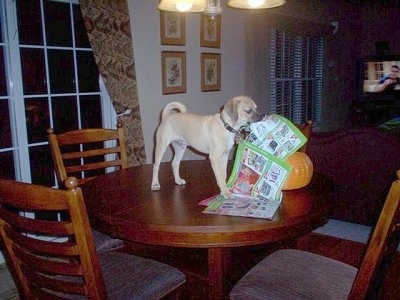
[[108, 26], [296, 76]]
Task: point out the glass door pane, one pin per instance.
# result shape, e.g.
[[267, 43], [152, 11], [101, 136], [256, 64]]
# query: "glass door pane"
[[6, 156], [58, 80]]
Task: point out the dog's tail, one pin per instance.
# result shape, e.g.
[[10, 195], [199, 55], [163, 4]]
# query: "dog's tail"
[[173, 106]]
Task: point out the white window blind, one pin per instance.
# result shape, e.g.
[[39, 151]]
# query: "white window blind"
[[296, 76]]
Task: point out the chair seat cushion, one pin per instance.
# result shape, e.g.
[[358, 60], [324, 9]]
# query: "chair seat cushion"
[[295, 274], [104, 242], [126, 276]]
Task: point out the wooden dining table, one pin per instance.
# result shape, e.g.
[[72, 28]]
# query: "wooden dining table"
[[123, 205]]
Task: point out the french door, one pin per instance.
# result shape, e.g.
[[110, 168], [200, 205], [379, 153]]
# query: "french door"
[[48, 78]]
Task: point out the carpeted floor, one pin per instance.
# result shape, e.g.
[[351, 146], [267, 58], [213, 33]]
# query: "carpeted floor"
[[8, 290]]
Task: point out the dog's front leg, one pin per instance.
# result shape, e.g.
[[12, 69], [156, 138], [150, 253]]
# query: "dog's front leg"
[[219, 164], [179, 149]]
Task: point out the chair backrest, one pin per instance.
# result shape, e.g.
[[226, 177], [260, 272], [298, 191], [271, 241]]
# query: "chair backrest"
[[381, 246], [87, 153], [306, 129], [48, 258]]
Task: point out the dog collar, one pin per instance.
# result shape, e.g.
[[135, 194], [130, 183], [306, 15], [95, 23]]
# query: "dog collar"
[[229, 127]]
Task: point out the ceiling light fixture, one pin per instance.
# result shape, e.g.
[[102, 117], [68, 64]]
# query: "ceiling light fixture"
[[182, 5], [255, 4], [213, 7]]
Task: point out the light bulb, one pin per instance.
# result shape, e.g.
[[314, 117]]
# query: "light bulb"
[[255, 3], [184, 6]]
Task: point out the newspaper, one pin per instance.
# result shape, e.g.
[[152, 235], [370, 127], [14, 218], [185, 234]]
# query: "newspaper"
[[240, 205], [259, 170], [276, 135]]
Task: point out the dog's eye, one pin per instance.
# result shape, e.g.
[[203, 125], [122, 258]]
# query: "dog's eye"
[[248, 111]]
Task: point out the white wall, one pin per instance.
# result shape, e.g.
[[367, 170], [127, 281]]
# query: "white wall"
[[145, 26]]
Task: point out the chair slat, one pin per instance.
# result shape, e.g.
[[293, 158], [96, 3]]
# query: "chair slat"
[[90, 153], [93, 166], [34, 225], [45, 265], [60, 284], [35, 245], [89, 134]]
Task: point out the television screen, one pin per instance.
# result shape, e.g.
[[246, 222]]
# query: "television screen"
[[379, 89], [381, 75]]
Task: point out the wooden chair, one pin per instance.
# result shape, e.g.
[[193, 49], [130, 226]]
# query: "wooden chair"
[[294, 274], [57, 259], [85, 153], [82, 153], [306, 129]]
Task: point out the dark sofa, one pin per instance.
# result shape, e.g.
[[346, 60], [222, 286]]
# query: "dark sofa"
[[362, 162]]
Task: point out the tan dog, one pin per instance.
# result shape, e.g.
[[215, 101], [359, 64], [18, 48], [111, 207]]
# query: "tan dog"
[[211, 134]]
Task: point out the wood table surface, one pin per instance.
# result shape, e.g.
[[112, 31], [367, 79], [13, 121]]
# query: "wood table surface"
[[123, 205]]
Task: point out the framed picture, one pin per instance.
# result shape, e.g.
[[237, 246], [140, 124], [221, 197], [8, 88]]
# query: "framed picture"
[[173, 66], [210, 72], [172, 28], [210, 31]]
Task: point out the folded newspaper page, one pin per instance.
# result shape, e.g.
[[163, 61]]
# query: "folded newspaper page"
[[256, 181], [259, 170], [276, 135], [240, 205]]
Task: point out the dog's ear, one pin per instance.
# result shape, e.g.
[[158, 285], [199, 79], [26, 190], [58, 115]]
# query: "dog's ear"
[[231, 109]]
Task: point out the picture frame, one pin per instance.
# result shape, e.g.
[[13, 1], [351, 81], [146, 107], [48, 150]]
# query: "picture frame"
[[210, 72], [210, 31], [172, 28], [173, 66]]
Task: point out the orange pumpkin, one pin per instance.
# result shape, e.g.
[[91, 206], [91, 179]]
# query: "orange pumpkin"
[[302, 171]]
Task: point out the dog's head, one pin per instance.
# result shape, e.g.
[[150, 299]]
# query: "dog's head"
[[241, 110]]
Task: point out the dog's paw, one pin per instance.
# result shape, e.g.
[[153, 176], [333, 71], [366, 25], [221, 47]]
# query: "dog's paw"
[[180, 181], [227, 194], [155, 187]]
